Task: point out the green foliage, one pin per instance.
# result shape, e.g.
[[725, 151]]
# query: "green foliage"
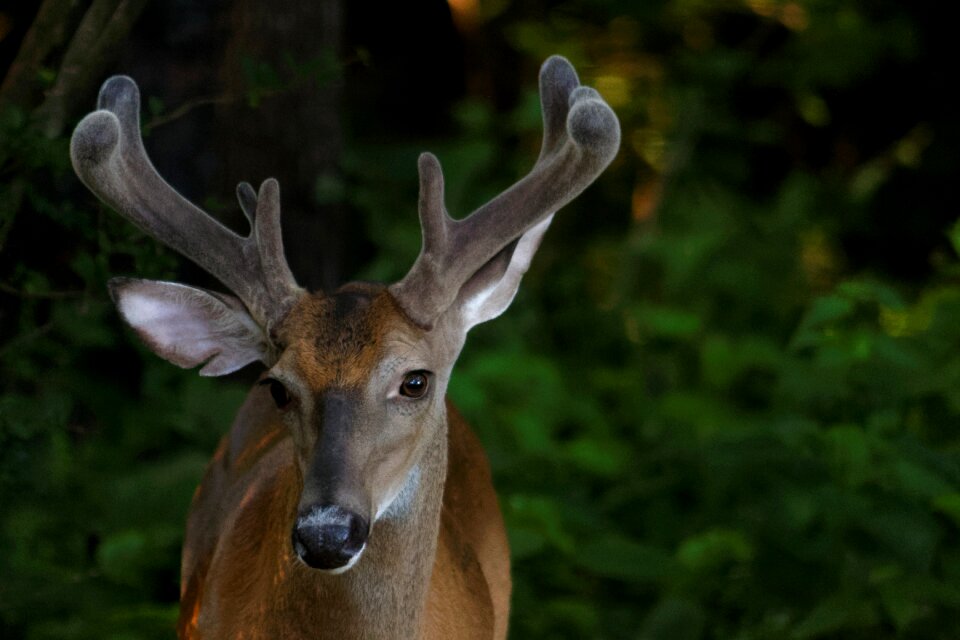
[[706, 418], [101, 446], [701, 422], [263, 79]]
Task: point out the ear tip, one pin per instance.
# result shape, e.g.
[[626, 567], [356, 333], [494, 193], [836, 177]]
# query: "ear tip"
[[117, 286], [120, 280]]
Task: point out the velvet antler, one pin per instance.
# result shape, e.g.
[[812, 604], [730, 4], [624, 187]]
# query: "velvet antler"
[[581, 137], [108, 155]]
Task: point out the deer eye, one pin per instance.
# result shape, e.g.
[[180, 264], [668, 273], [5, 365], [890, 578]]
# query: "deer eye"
[[414, 384], [281, 397]]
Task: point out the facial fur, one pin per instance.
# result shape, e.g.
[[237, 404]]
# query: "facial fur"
[[343, 359]]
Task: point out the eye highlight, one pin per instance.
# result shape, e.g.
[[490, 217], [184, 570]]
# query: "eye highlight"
[[415, 384], [281, 397]]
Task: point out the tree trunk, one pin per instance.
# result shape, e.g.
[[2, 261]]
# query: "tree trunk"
[[283, 56]]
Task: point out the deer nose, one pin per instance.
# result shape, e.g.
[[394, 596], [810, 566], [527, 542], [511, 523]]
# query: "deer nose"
[[330, 537]]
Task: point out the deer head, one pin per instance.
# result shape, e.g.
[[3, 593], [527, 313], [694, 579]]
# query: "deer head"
[[358, 375]]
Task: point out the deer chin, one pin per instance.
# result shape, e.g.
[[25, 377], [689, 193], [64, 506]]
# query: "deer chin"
[[340, 570]]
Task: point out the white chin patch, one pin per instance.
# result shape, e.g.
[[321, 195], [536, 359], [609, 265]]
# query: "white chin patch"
[[399, 502], [348, 566]]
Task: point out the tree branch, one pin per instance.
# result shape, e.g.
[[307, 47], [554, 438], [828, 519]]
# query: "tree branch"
[[103, 28], [40, 295], [185, 108], [48, 31]]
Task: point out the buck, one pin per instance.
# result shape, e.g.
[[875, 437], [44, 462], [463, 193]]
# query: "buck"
[[349, 498]]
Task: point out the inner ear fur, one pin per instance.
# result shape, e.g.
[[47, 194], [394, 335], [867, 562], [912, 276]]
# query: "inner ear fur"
[[489, 292], [189, 326]]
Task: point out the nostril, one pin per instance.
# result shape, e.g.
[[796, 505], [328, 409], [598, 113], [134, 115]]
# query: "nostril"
[[329, 537]]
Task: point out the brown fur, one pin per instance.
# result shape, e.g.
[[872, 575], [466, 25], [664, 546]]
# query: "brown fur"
[[441, 573], [351, 436], [470, 581], [335, 340]]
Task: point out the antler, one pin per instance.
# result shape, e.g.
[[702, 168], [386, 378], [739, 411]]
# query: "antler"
[[108, 155], [581, 136]]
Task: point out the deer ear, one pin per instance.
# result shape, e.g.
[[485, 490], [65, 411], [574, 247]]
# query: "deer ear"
[[189, 326], [492, 288]]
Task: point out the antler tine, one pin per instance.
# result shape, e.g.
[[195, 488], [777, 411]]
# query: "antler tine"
[[581, 137], [247, 198], [108, 154], [269, 238]]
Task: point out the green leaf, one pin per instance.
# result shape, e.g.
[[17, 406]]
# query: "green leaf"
[[949, 505], [824, 312], [535, 522], [674, 619], [121, 556], [665, 322], [601, 457], [849, 453], [714, 548], [623, 559], [834, 614]]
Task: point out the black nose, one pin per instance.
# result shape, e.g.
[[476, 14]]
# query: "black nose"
[[329, 537]]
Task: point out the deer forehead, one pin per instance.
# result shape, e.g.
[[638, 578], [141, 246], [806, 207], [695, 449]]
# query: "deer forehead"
[[339, 340]]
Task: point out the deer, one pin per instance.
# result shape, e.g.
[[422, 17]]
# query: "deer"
[[349, 498]]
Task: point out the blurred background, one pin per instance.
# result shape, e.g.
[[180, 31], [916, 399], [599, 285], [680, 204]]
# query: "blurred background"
[[726, 402]]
